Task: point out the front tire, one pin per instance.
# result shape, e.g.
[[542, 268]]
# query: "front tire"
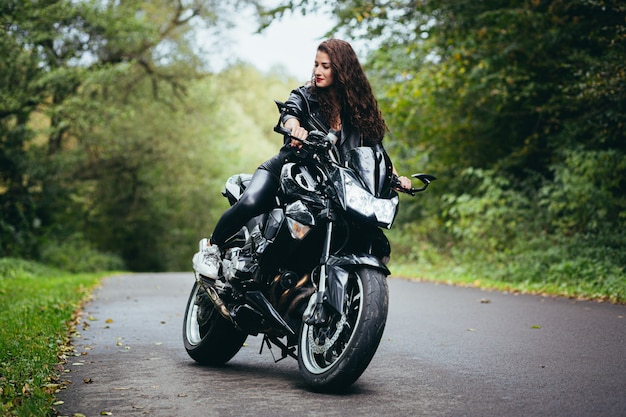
[[209, 338], [331, 357]]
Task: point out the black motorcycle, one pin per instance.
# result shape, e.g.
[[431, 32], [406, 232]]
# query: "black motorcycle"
[[310, 275]]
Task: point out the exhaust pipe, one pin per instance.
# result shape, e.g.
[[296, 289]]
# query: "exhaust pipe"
[[216, 300]]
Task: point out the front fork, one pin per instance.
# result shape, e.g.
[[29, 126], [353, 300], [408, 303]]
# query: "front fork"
[[315, 312], [333, 278]]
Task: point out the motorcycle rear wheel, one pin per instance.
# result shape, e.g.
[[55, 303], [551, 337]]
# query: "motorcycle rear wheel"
[[209, 338], [333, 357]]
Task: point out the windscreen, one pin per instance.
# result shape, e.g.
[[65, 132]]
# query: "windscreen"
[[374, 169]]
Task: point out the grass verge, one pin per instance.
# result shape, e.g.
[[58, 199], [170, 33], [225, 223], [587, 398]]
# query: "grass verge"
[[580, 267], [602, 290], [38, 305]]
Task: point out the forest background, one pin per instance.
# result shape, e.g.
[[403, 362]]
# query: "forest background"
[[116, 137]]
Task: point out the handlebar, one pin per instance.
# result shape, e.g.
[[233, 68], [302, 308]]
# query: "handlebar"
[[320, 140], [283, 131], [424, 178], [315, 139]]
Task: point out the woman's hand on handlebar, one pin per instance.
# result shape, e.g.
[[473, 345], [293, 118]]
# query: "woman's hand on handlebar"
[[297, 131], [300, 133], [405, 183], [401, 183]]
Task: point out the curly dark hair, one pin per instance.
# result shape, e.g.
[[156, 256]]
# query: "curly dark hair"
[[350, 97]]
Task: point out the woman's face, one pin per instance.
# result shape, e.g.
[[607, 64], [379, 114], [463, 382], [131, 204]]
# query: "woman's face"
[[322, 70]]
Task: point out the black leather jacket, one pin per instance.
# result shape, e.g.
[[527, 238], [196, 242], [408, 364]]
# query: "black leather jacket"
[[303, 105]]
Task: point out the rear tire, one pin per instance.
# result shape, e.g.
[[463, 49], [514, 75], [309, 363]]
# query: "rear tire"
[[348, 343], [209, 338]]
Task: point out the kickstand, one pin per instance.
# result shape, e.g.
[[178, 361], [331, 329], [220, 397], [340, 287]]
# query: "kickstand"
[[285, 351]]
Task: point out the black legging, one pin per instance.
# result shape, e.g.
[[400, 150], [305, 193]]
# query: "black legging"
[[259, 197]]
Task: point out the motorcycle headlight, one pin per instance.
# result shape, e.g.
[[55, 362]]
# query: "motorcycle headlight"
[[382, 210]]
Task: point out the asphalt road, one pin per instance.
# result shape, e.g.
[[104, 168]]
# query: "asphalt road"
[[446, 351]]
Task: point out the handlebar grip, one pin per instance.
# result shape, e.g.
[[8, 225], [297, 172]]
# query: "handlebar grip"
[[282, 130]]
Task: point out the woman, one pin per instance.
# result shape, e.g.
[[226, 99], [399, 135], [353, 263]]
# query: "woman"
[[339, 98]]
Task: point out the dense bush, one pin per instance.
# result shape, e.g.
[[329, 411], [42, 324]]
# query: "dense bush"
[[560, 241], [77, 255]]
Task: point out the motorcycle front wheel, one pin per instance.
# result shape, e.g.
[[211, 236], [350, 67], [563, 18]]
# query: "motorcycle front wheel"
[[333, 356], [209, 338]]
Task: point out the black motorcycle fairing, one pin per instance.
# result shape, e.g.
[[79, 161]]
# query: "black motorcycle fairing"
[[301, 181], [262, 304], [299, 212], [369, 240], [374, 169], [272, 223]]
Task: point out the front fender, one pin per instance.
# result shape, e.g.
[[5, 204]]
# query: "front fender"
[[339, 267], [356, 260]]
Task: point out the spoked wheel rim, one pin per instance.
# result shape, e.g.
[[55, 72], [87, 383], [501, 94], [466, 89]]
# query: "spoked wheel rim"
[[323, 347]]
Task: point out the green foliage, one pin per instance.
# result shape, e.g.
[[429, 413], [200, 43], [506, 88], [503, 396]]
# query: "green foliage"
[[13, 268], [158, 171], [492, 205], [110, 130], [499, 234], [37, 304], [587, 193], [583, 266], [77, 255]]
